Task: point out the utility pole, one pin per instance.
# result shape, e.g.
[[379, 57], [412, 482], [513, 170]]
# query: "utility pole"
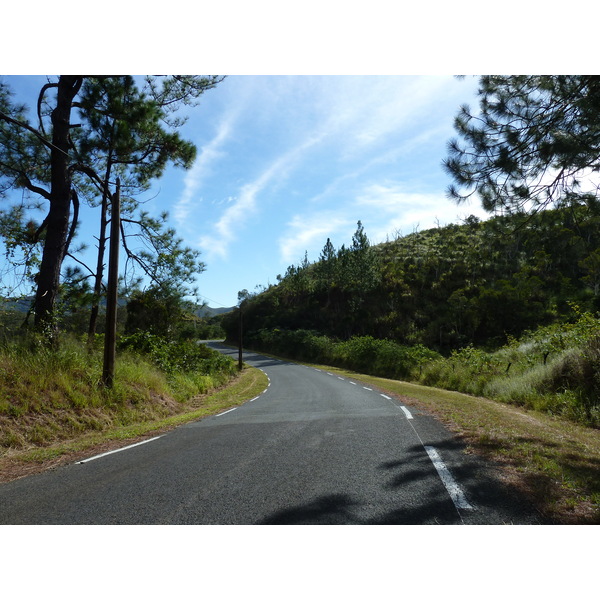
[[240, 341], [110, 336]]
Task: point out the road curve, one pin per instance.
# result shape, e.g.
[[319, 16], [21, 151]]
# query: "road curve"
[[314, 448]]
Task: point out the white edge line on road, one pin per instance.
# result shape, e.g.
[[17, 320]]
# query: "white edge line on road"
[[406, 412], [117, 450], [366, 388], [454, 490], [225, 412], [352, 383], [384, 396]]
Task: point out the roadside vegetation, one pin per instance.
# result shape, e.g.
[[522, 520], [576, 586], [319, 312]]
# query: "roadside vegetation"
[[52, 403], [554, 369]]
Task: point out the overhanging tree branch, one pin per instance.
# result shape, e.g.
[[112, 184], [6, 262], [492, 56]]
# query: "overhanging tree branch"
[[37, 134]]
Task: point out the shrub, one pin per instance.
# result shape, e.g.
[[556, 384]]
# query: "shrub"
[[579, 372], [182, 356], [365, 353], [381, 357], [300, 344]]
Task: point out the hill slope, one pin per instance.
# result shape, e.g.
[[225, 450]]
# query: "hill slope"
[[448, 287]]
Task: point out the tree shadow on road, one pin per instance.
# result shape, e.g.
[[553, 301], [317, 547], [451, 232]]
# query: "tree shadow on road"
[[493, 501], [342, 509], [333, 509], [490, 497]]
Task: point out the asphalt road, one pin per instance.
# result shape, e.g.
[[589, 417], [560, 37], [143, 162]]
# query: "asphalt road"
[[314, 448]]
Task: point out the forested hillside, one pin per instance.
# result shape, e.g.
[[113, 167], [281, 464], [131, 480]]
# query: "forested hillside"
[[445, 288]]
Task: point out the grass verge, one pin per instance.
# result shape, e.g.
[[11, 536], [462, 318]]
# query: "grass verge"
[[20, 462], [555, 462]]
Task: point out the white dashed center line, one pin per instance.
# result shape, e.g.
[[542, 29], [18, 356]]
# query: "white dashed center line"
[[454, 490], [118, 450], [406, 412]]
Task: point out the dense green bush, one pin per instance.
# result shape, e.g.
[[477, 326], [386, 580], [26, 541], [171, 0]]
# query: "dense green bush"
[[555, 369], [360, 353], [183, 356], [381, 357], [579, 373], [299, 344]]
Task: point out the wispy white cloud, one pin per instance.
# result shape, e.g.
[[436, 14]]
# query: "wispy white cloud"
[[396, 105], [309, 232], [217, 243], [390, 209], [366, 111], [208, 155], [236, 215]]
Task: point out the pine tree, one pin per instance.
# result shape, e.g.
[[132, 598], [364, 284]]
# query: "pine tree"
[[533, 142], [123, 131]]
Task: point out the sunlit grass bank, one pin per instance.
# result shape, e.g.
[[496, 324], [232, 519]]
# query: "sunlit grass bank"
[[554, 369], [51, 401]]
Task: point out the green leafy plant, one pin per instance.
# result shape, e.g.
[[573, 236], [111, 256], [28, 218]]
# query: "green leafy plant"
[[177, 356]]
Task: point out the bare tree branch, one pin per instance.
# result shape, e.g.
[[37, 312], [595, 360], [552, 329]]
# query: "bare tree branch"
[[74, 220], [39, 103]]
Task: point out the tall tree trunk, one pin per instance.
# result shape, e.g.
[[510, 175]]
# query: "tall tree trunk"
[[100, 262], [55, 245], [99, 274]]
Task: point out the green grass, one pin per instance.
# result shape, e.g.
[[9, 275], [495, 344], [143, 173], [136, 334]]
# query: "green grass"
[[101, 432], [52, 403]]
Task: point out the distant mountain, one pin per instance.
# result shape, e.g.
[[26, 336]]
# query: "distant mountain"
[[24, 304], [208, 311], [17, 304]]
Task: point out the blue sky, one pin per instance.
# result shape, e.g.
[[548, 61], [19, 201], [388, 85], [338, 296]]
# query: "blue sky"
[[285, 162]]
